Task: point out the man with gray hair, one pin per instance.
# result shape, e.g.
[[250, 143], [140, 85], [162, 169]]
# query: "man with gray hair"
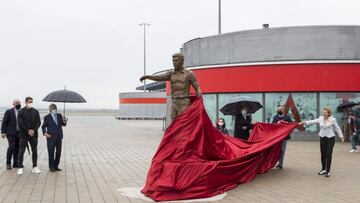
[[52, 130], [180, 80], [10, 129]]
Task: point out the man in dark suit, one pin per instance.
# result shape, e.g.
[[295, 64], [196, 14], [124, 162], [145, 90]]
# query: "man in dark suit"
[[10, 129], [52, 130], [29, 123], [243, 124]]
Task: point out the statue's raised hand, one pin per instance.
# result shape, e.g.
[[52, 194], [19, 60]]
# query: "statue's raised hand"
[[142, 78]]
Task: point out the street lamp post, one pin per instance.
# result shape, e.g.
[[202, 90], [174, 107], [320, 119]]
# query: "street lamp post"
[[219, 25], [144, 25]]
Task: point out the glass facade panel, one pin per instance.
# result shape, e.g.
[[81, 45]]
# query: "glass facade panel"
[[333, 99], [230, 120], [210, 106], [272, 100], [304, 103]]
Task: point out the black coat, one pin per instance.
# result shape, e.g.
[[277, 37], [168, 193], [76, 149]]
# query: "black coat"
[[357, 112], [240, 122], [49, 126], [355, 125], [29, 119], [9, 122], [286, 118]]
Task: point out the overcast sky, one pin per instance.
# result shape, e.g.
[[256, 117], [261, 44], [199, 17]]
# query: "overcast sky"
[[95, 47]]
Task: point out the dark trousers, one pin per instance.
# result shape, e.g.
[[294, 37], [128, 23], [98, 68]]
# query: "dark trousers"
[[54, 151], [13, 149], [33, 144], [326, 149]]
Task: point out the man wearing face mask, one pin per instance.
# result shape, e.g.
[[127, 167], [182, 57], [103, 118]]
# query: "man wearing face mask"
[[52, 130], [29, 123], [280, 117], [10, 129], [243, 124]]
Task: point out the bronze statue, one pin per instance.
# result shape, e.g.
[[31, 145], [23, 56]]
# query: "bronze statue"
[[180, 79]]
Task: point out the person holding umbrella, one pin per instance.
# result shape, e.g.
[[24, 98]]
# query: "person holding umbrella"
[[345, 109], [241, 107], [355, 131], [52, 130], [243, 124], [64, 96]]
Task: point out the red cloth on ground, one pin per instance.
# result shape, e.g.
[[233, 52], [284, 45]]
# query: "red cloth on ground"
[[194, 160]]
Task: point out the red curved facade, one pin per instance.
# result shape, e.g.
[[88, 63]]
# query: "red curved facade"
[[280, 78]]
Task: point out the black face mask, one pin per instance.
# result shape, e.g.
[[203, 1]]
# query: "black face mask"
[[280, 113], [17, 106]]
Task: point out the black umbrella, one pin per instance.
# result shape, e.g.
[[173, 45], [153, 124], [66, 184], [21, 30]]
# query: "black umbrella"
[[65, 96], [344, 106], [234, 105]]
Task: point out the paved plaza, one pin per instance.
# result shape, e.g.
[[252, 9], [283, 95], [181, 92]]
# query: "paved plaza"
[[102, 155]]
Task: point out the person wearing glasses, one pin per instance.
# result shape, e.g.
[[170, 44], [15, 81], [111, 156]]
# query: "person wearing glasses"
[[52, 130]]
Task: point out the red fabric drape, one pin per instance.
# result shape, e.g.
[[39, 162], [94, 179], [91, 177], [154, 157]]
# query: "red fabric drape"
[[194, 160]]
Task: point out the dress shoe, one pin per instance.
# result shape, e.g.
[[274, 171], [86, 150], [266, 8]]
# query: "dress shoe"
[[58, 169], [8, 167], [52, 170]]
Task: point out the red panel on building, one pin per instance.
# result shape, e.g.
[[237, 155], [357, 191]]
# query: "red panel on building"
[[279, 78]]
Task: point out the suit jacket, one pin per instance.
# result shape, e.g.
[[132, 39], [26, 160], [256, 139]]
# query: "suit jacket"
[[9, 122], [49, 126], [28, 119], [240, 122]]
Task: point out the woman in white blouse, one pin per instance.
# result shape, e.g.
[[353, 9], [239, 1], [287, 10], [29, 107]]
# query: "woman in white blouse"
[[328, 129]]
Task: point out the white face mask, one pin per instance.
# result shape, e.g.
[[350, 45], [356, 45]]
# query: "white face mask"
[[220, 123], [53, 111], [243, 112], [29, 105]]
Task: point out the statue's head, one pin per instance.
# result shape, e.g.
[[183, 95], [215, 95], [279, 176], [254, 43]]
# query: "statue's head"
[[178, 60]]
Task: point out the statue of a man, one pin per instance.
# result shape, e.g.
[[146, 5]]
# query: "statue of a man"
[[180, 80]]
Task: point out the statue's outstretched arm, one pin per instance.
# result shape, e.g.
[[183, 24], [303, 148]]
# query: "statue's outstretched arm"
[[161, 77]]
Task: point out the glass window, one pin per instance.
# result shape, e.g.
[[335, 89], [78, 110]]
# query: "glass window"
[[272, 100], [230, 120], [333, 99], [210, 106], [300, 106], [306, 104]]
